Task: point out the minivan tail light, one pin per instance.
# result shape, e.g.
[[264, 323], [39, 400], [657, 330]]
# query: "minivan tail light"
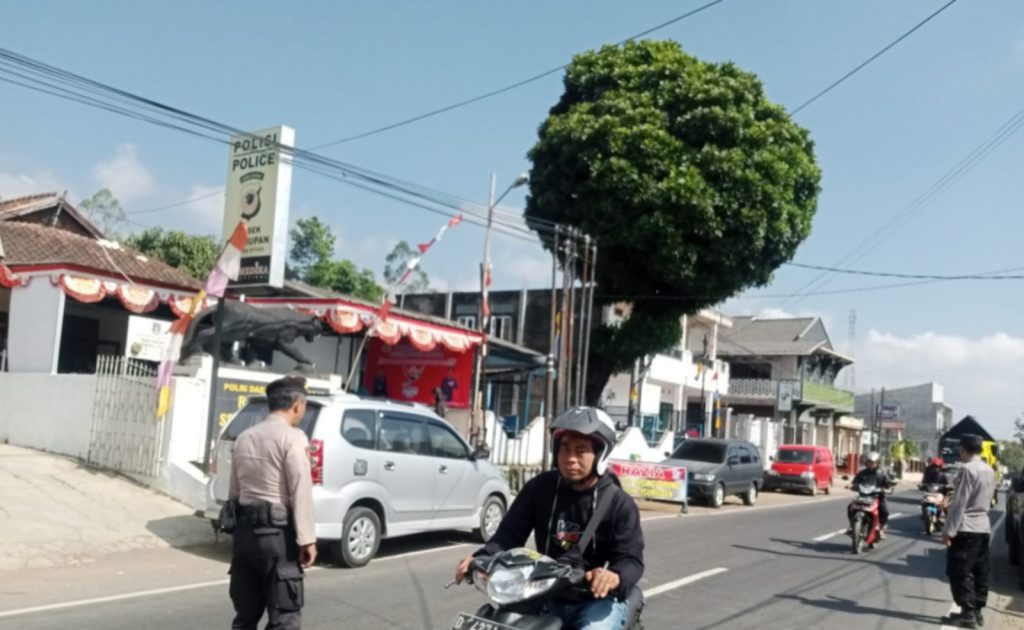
[[316, 460]]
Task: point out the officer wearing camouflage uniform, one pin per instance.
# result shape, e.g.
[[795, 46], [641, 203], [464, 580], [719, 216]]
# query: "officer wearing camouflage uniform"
[[274, 534]]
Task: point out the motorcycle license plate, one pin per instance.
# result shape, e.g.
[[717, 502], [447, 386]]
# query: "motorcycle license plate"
[[469, 622]]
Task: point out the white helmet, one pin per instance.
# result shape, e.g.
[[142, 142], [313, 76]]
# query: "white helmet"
[[873, 457], [591, 422]]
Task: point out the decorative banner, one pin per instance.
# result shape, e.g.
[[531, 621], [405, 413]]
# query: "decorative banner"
[[259, 193], [402, 372], [8, 279], [138, 299], [644, 480], [344, 322], [88, 290]]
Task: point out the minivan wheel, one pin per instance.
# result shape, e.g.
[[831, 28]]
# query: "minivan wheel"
[[750, 496], [360, 538], [718, 496], [491, 514]]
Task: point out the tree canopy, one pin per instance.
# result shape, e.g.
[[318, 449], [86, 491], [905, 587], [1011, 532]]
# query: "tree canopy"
[[694, 184], [193, 254], [395, 265], [311, 260]]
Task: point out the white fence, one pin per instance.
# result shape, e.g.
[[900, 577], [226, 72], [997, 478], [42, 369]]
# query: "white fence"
[[49, 412], [525, 449], [126, 434]]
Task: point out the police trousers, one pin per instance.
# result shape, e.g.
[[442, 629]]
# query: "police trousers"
[[967, 565], [266, 577]]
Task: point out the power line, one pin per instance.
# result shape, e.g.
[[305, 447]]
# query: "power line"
[[867, 61], [184, 202], [882, 274], [499, 91], [301, 158]]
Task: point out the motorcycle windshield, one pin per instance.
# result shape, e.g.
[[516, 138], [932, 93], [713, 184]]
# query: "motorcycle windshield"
[[867, 490]]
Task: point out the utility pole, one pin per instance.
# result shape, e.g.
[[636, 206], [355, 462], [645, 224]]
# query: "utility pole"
[[570, 355], [549, 386], [590, 316], [477, 427], [583, 333], [563, 333]]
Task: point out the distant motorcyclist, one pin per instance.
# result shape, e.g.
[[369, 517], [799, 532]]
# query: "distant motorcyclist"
[[870, 475], [933, 473]]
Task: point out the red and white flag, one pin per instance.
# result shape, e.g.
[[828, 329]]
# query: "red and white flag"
[[229, 262], [389, 297], [224, 270]]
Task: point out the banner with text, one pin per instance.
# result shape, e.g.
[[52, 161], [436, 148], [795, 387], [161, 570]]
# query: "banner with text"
[[643, 480]]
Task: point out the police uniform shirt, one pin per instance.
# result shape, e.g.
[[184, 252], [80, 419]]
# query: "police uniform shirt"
[[270, 462], [968, 513]]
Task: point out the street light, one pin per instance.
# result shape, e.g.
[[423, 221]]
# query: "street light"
[[485, 271]]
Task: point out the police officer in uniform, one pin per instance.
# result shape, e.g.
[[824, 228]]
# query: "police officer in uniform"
[[274, 534], [967, 534]]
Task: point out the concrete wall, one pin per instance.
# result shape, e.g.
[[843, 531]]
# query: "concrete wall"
[[633, 446], [49, 412], [34, 327]]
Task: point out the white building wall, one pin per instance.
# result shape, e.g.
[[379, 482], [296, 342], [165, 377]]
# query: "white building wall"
[[35, 320]]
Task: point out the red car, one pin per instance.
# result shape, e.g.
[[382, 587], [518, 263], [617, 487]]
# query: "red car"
[[801, 467]]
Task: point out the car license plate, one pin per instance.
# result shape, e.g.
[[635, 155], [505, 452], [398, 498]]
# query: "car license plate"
[[469, 622]]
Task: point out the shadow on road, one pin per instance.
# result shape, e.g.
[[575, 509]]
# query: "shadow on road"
[[848, 606]]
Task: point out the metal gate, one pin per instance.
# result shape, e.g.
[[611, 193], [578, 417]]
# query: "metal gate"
[[126, 434]]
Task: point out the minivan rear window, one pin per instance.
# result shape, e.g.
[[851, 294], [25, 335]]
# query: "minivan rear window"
[[794, 456], [257, 410], [698, 451]]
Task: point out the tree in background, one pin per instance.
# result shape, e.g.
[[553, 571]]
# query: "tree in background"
[[312, 243], [1011, 455], [395, 265], [105, 212], [695, 185], [311, 261], [190, 253]]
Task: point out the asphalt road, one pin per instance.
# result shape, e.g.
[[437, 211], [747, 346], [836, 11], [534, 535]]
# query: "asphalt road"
[[766, 567]]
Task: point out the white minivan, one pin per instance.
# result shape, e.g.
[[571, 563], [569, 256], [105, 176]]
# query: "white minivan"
[[380, 470]]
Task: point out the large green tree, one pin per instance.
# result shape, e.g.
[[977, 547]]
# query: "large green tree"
[[311, 261], [694, 184], [105, 211], [191, 253], [395, 265]]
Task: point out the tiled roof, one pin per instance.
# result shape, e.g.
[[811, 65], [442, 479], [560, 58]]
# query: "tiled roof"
[[32, 244], [762, 337], [12, 206]]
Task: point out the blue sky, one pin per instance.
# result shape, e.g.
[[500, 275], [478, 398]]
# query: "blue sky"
[[331, 70]]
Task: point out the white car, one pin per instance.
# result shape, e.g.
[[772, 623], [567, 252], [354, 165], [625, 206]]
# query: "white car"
[[380, 470]]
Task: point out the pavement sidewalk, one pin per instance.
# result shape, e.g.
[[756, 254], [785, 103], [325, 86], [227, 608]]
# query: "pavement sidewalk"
[[55, 512]]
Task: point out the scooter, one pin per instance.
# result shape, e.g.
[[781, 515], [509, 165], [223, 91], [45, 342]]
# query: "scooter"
[[933, 506], [518, 583], [864, 520]]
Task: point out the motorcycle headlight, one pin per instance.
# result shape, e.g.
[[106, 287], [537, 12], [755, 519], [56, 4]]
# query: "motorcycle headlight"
[[508, 586], [704, 477]]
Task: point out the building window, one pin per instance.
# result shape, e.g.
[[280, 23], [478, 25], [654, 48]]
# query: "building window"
[[469, 321], [501, 327]]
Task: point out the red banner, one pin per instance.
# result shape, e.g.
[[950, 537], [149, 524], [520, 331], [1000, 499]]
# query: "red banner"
[[401, 372]]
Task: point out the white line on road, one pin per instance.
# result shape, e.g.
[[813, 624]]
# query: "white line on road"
[[187, 587], [830, 535], [696, 577]]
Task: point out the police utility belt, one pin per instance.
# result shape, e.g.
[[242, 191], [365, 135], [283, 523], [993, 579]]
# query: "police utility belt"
[[234, 515]]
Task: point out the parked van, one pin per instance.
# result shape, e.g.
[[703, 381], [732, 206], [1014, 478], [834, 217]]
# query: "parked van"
[[380, 469], [801, 467]]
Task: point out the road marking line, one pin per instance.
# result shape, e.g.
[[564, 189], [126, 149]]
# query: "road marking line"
[[664, 588], [187, 587], [827, 536]]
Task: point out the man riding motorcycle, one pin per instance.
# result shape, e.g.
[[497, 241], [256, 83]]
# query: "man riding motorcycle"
[[557, 505], [870, 475], [933, 474]]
